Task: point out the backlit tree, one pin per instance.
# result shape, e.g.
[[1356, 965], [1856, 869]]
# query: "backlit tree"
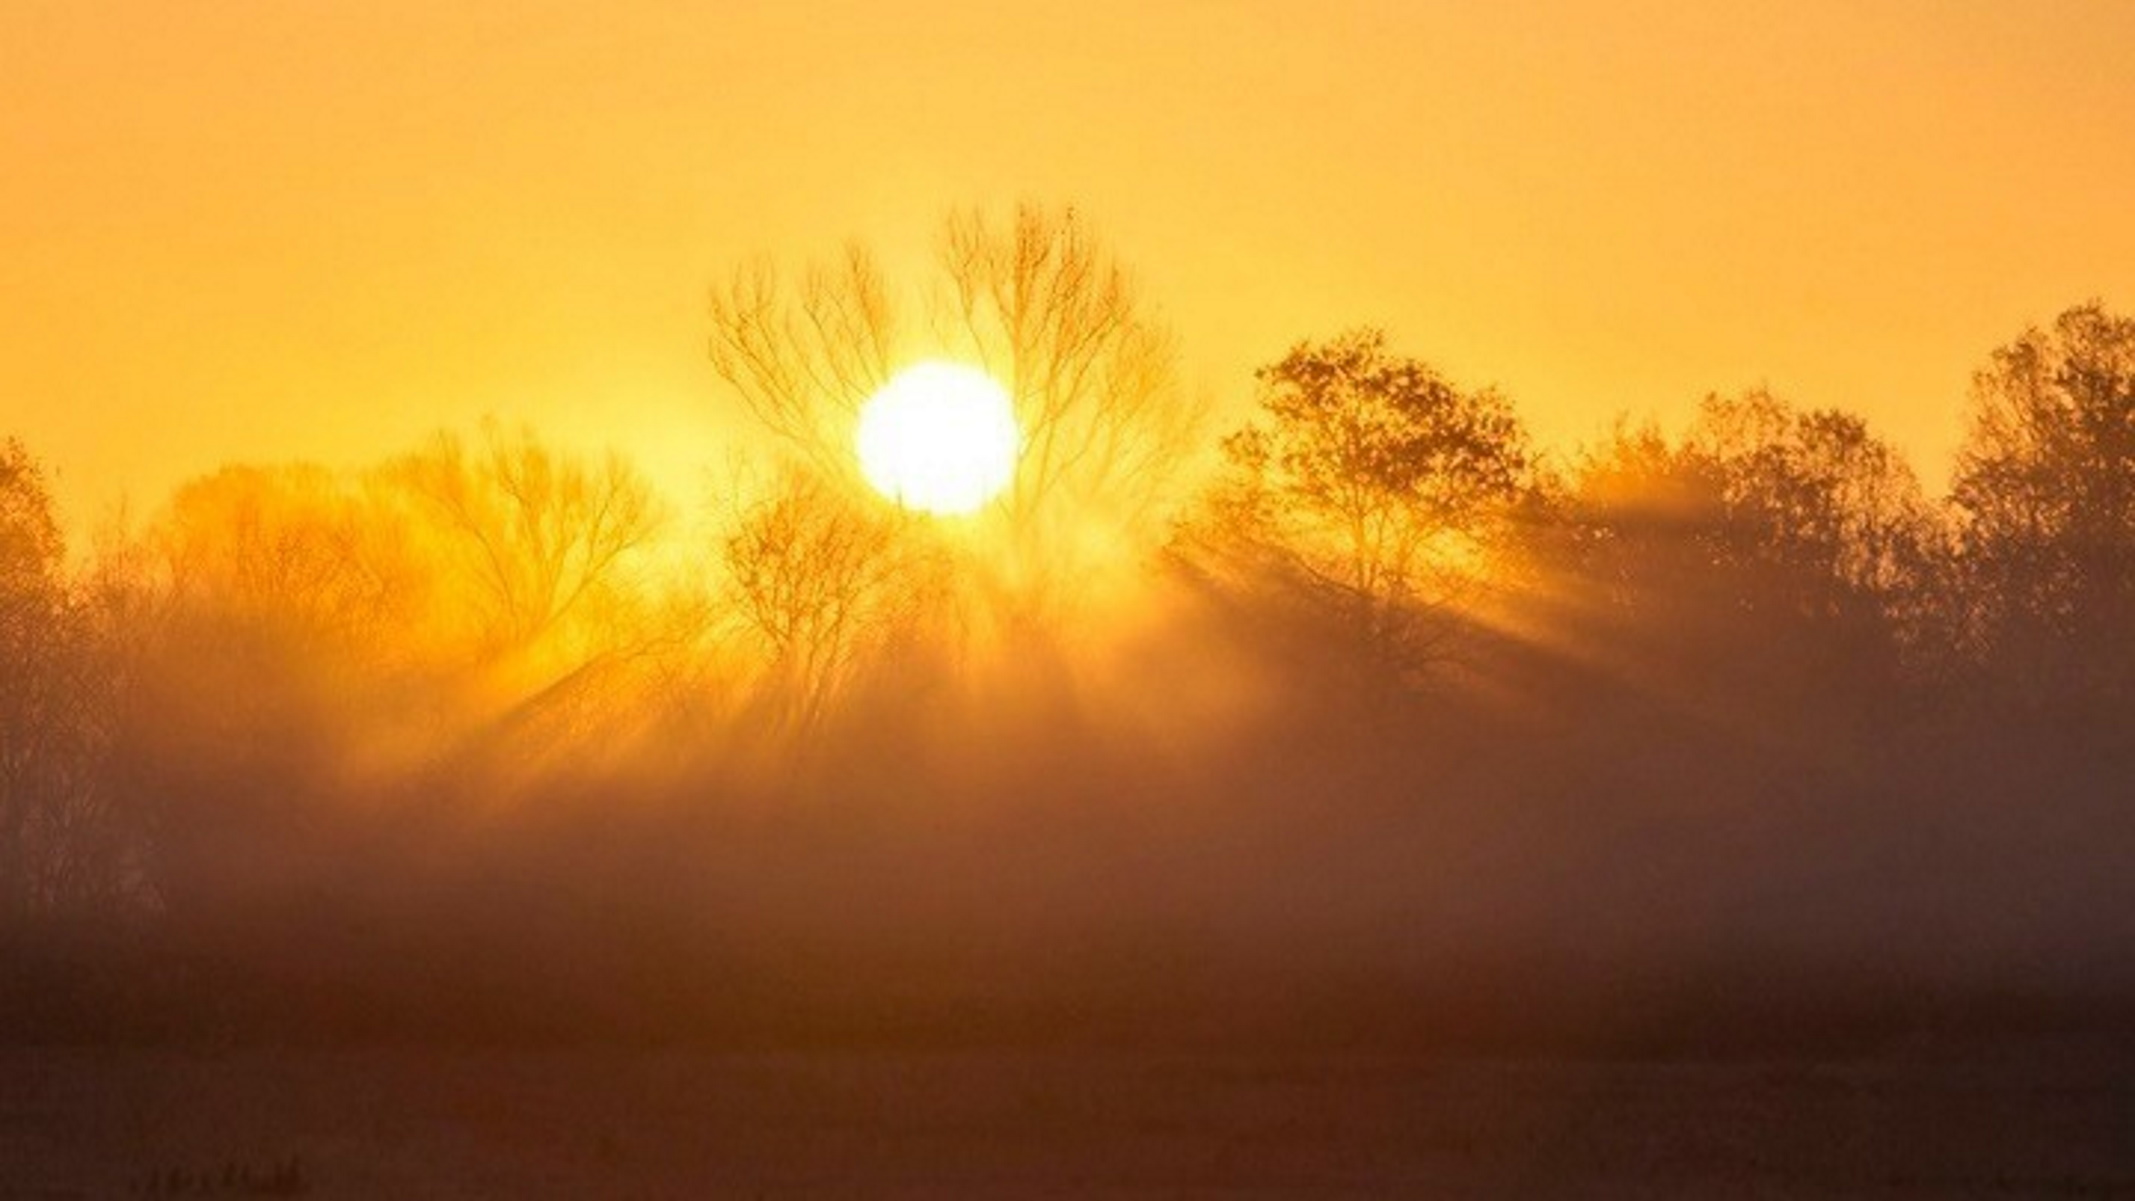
[[1041, 305], [1375, 487]]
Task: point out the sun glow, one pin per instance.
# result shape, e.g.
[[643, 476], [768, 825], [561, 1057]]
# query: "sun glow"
[[939, 437]]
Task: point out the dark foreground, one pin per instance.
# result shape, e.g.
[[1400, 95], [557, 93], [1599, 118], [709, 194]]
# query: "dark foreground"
[[2041, 1119]]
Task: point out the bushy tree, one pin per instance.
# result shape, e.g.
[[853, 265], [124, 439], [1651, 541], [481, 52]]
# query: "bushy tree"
[[2044, 492], [1770, 555], [1372, 486], [1834, 513]]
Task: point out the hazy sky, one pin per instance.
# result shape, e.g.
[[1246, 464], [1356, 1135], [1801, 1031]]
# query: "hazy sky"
[[304, 229]]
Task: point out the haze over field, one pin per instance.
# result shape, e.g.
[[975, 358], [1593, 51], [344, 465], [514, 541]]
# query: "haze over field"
[[1225, 553], [1363, 707]]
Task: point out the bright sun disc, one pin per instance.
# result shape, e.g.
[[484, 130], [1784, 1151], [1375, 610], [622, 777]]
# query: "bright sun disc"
[[939, 437]]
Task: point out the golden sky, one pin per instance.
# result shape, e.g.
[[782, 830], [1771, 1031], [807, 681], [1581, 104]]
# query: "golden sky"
[[294, 228]]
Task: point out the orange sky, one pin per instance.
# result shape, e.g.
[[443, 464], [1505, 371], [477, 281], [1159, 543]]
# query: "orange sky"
[[267, 230]]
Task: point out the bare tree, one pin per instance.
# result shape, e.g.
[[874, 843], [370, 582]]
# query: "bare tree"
[[820, 583], [32, 707], [1043, 306], [536, 539], [537, 556], [1040, 304], [803, 362], [63, 842], [294, 552]]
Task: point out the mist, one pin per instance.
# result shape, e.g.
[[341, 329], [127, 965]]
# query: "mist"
[[1730, 737]]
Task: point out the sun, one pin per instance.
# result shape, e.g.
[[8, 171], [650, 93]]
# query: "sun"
[[939, 437]]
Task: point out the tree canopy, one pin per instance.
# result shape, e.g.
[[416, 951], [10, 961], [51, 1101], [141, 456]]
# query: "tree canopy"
[[1373, 484], [2044, 493]]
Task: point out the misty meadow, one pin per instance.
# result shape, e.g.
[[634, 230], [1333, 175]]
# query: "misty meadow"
[[944, 599], [1368, 717]]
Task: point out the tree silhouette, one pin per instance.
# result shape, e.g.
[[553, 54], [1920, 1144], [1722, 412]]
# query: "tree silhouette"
[[293, 553], [537, 540], [538, 559], [802, 363], [1771, 555], [820, 582], [31, 713], [1043, 306], [1040, 304], [32, 553], [63, 841], [2045, 495], [287, 595], [1373, 485], [1834, 513]]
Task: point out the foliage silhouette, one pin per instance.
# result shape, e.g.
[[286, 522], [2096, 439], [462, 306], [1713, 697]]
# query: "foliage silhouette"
[[1775, 567], [1373, 487], [2044, 494]]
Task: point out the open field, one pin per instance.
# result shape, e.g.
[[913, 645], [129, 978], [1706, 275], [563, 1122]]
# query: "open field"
[[2039, 1120]]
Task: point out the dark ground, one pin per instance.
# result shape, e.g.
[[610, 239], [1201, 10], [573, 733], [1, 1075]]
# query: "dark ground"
[[2039, 1118]]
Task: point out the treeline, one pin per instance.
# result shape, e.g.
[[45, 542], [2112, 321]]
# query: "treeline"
[[1368, 698]]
